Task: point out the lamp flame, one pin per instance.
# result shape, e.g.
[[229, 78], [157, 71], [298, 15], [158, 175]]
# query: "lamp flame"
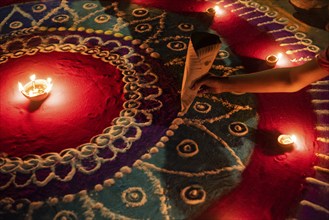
[[32, 77], [20, 87], [49, 87], [279, 55], [294, 138], [218, 10]]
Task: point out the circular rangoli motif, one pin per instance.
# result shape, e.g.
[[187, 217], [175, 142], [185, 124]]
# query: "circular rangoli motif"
[[187, 148], [177, 45], [60, 18], [238, 128], [223, 54], [15, 24], [202, 107], [186, 27], [126, 128], [39, 8], [89, 6], [66, 215], [102, 18], [134, 197], [141, 28], [140, 12], [193, 195]]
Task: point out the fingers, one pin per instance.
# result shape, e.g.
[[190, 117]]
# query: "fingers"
[[204, 90], [213, 85], [208, 84], [200, 82]]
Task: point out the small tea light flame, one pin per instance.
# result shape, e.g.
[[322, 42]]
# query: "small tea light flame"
[[32, 77], [36, 89], [50, 85], [279, 56], [287, 140], [218, 10], [20, 87]]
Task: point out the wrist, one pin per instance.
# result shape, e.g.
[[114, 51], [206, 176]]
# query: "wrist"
[[223, 84]]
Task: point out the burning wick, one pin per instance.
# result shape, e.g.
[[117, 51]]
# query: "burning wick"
[[287, 140], [36, 89], [271, 60]]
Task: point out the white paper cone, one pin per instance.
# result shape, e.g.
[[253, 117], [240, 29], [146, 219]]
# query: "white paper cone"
[[201, 53]]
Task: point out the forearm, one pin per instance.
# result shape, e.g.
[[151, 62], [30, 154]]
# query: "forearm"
[[274, 80], [290, 79], [277, 80]]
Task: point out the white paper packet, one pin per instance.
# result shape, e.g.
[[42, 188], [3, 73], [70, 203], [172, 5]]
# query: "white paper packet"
[[201, 53]]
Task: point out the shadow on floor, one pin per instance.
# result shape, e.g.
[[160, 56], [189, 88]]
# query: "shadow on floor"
[[315, 17]]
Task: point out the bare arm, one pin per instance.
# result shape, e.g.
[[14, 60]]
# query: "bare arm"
[[289, 79]]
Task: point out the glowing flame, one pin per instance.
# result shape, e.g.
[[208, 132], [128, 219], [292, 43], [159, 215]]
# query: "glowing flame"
[[49, 87], [20, 86], [293, 138], [218, 10], [32, 77], [279, 56], [298, 143]]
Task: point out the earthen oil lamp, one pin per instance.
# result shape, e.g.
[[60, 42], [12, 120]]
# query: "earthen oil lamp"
[[211, 11], [271, 60], [37, 89], [214, 11], [286, 140]]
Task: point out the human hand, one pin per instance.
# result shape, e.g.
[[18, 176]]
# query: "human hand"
[[208, 84]]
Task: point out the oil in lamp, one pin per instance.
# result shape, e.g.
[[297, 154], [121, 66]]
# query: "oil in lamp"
[[37, 89]]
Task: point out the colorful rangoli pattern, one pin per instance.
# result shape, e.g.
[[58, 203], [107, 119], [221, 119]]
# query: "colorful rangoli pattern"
[[148, 163]]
